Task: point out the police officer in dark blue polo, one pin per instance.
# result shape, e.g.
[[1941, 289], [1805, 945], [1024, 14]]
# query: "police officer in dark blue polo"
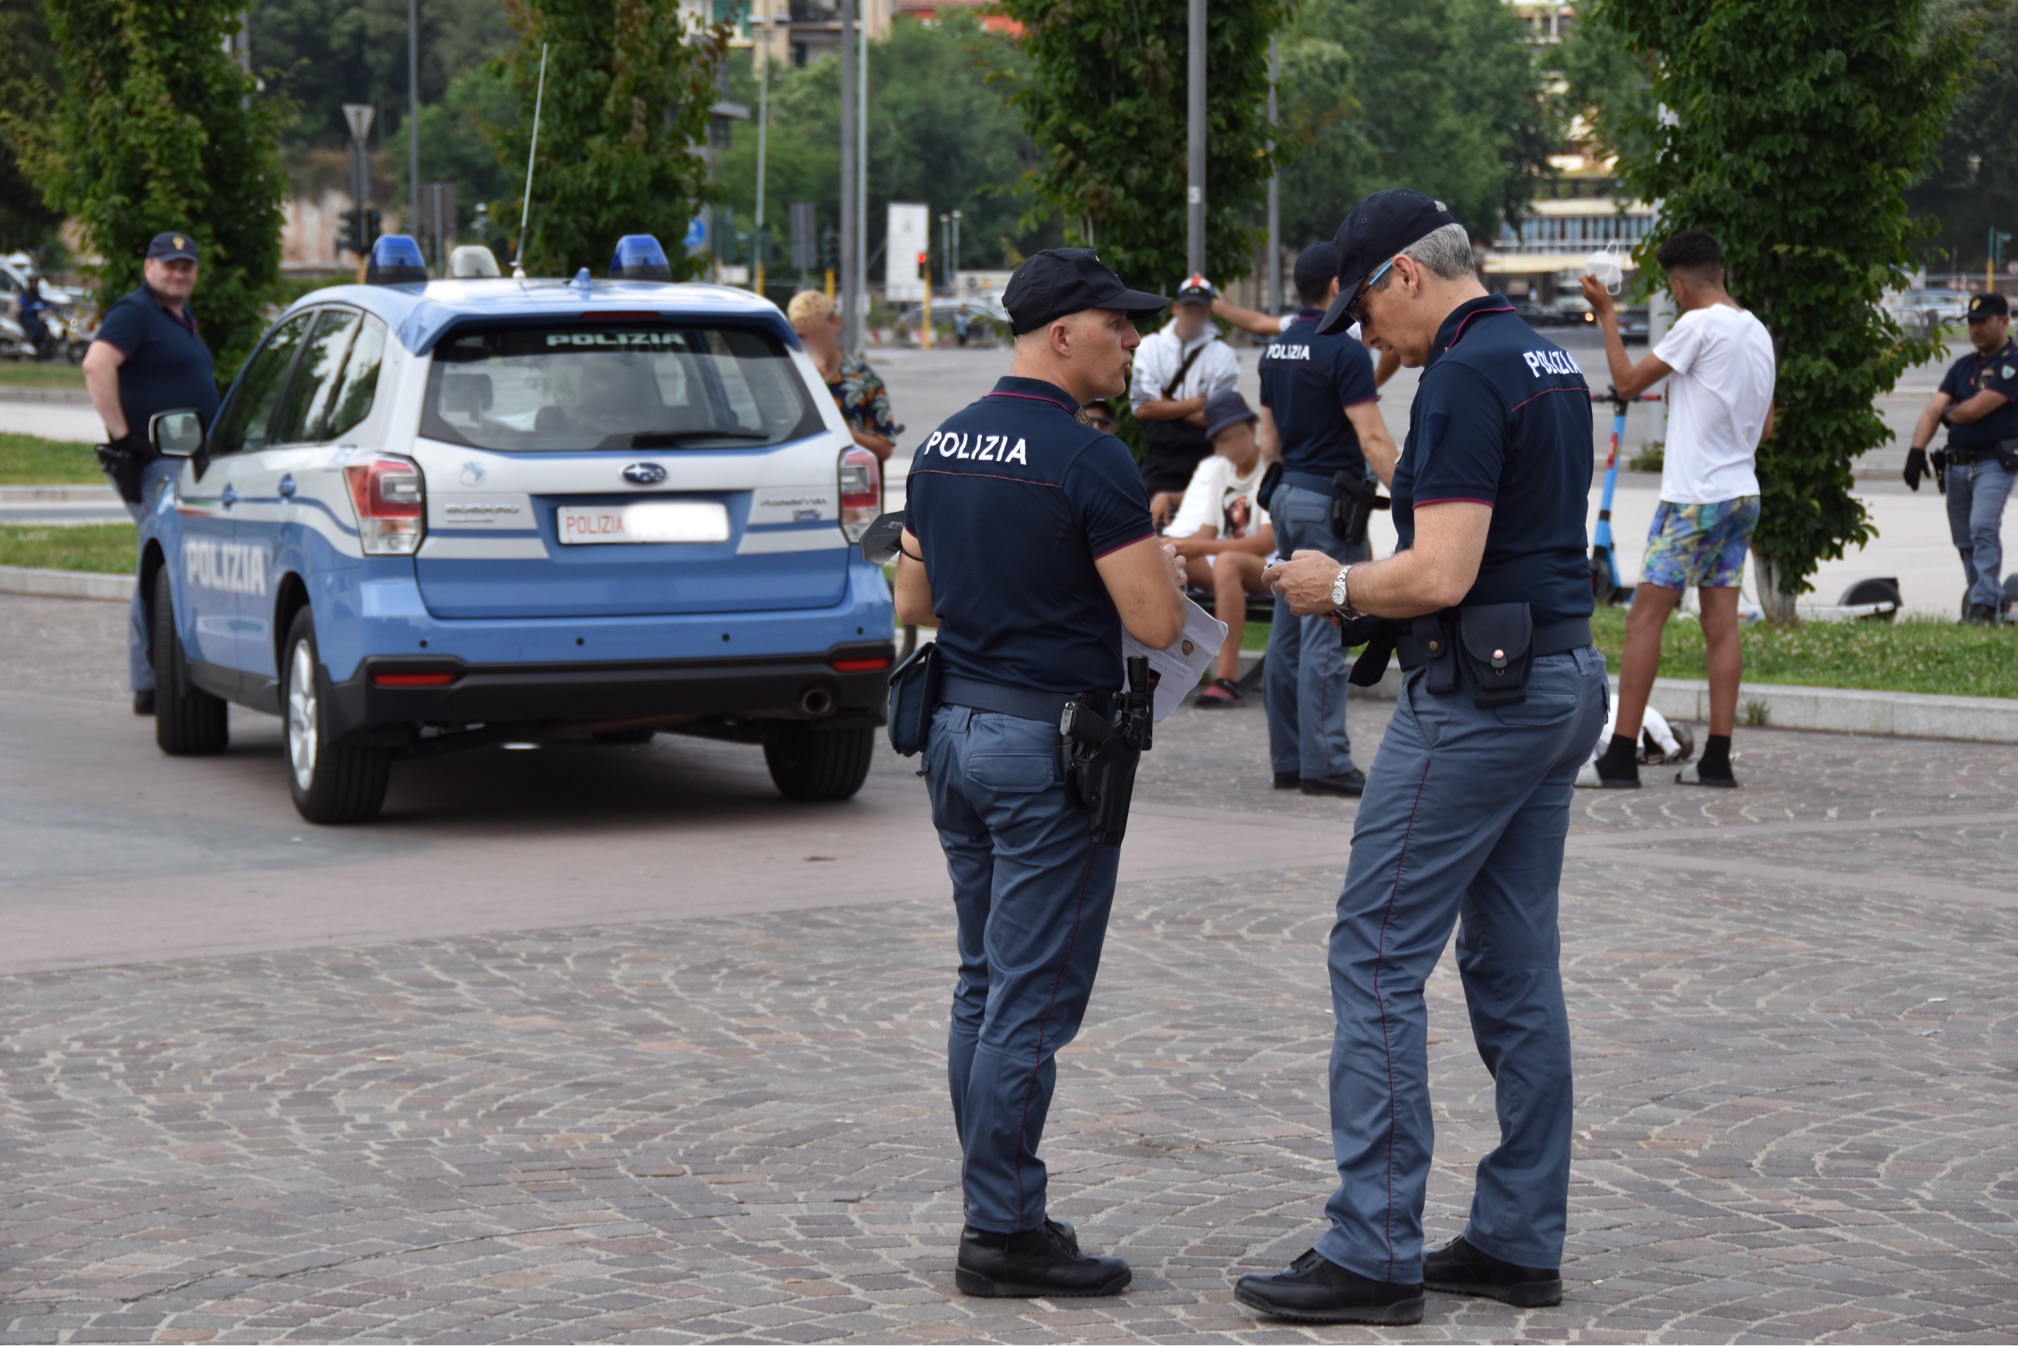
[[1978, 402], [148, 357], [1488, 601], [1028, 542], [1320, 415]]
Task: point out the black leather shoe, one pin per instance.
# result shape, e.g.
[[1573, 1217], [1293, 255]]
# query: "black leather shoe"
[[1287, 780], [1037, 1263], [1316, 1290], [1460, 1269], [1351, 783], [143, 703]]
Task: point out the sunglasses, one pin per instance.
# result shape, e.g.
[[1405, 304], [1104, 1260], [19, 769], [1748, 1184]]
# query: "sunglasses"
[[1353, 310], [1099, 422]]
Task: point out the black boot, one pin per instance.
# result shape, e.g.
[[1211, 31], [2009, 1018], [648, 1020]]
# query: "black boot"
[[143, 703], [1034, 1264], [1460, 1269], [1315, 1289]]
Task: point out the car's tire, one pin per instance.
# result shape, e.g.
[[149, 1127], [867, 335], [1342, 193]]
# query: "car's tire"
[[819, 766], [188, 721], [330, 782]]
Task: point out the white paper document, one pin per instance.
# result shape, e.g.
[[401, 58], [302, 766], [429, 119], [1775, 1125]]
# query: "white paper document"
[[1182, 663]]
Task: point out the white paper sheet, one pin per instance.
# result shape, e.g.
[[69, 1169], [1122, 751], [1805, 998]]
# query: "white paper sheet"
[[1184, 661]]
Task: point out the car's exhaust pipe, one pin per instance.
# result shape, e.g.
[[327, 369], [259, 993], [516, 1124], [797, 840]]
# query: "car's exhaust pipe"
[[816, 701]]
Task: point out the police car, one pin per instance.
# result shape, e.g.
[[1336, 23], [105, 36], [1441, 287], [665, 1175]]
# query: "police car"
[[448, 514]]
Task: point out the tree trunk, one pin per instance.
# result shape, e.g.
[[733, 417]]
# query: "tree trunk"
[[1778, 603]]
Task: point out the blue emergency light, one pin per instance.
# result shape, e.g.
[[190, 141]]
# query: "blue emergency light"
[[395, 260], [639, 257]]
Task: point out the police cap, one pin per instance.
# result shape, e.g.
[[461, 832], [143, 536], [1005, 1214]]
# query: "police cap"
[[171, 247], [1058, 281], [1378, 228], [1992, 305]]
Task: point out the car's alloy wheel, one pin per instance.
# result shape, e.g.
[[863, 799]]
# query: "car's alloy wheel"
[[330, 782]]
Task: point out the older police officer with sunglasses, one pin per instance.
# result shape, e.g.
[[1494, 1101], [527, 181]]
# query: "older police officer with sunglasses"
[[1488, 603]]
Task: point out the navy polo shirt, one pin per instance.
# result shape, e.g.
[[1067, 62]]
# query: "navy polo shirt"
[[1972, 374], [1012, 500], [167, 368], [1503, 418], [1307, 382]]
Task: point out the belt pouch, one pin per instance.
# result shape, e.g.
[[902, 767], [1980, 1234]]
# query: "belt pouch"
[[1272, 478], [1439, 667], [914, 695], [1496, 649], [2007, 455]]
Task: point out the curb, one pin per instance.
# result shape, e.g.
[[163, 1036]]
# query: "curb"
[[32, 583], [101, 494], [1830, 710], [9, 393]]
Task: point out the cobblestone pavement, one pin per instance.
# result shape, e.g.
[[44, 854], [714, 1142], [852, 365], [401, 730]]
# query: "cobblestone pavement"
[[1793, 1009]]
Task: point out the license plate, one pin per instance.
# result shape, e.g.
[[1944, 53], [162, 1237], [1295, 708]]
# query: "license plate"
[[645, 521]]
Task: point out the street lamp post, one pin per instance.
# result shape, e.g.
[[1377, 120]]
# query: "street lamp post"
[[851, 280], [1194, 187], [413, 113], [1274, 185], [763, 129], [953, 255]]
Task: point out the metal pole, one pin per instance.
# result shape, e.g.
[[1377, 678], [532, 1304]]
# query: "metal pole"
[[953, 257], [763, 129], [1194, 187], [1274, 185], [851, 313], [413, 106], [861, 179]]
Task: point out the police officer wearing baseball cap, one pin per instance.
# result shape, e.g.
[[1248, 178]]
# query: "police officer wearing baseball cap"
[[1978, 402], [148, 357], [1028, 543], [1488, 601]]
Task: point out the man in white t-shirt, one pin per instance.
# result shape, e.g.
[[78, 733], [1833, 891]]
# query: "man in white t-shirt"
[[1176, 369], [1718, 360], [1223, 533]]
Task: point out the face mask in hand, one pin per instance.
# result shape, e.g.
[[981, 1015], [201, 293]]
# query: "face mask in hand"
[[1603, 266]]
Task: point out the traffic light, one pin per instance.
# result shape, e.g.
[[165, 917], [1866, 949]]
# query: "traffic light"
[[830, 248], [925, 266], [359, 232]]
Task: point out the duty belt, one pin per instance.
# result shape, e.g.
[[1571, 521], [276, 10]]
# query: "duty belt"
[[1556, 638], [1022, 702]]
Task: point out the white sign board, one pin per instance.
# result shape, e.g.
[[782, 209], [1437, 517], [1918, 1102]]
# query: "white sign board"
[[910, 234], [359, 116]]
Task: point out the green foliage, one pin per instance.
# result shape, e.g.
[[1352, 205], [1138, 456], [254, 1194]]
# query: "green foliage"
[[1913, 654], [1104, 100], [1797, 125], [629, 85], [939, 132], [1440, 95], [27, 86], [26, 460], [157, 128], [455, 139], [100, 548], [1972, 185], [1609, 84]]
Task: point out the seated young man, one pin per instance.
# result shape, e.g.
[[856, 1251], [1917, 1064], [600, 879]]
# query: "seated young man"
[[1223, 533]]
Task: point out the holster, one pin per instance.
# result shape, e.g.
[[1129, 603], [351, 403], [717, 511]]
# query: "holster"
[[1098, 758], [124, 467], [2007, 455], [914, 695], [1264, 494], [1939, 460], [1354, 498]]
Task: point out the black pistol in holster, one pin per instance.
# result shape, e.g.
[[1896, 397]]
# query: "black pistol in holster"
[[1354, 498], [1099, 758]]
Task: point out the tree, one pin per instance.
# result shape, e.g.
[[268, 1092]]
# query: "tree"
[[1104, 102], [157, 128], [1972, 185], [1610, 86], [629, 85], [1795, 128], [1440, 95], [27, 88]]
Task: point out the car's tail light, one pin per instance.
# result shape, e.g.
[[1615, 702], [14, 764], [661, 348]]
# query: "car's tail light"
[[861, 492], [390, 500]]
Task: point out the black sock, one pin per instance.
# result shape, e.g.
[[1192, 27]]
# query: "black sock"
[[1621, 759], [1716, 758]]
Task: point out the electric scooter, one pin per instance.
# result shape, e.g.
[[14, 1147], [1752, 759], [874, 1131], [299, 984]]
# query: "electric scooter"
[[1605, 584]]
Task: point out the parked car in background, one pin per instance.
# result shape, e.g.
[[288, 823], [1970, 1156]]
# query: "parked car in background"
[[1536, 314]]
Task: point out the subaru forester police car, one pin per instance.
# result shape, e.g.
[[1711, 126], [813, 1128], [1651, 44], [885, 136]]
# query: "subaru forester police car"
[[446, 514]]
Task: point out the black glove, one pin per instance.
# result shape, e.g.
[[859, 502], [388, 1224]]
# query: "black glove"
[[1916, 467]]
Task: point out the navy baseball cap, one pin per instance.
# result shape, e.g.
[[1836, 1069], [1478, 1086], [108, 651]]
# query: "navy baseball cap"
[[1196, 290], [1226, 409], [1992, 305], [171, 247], [1058, 281], [1381, 226]]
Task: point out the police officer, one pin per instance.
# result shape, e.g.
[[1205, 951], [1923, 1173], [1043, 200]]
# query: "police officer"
[[1468, 804], [1978, 402], [1028, 542], [1320, 415], [148, 357]]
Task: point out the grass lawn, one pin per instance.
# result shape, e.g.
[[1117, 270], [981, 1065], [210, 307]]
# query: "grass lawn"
[[18, 375], [28, 461], [103, 547]]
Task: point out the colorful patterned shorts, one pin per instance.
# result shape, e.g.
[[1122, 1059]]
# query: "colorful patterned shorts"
[[1700, 546]]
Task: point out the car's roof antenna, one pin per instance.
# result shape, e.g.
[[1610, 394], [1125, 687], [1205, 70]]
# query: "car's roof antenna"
[[526, 210]]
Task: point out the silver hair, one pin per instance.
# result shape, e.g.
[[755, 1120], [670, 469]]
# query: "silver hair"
[[1445, 254]]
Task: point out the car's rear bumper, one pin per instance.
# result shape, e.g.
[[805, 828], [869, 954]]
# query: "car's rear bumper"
[[848, 681]]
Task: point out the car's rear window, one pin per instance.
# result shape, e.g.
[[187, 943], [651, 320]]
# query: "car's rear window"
[[613, 386]]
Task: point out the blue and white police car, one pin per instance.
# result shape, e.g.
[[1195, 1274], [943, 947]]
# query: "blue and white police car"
[[446, 514]]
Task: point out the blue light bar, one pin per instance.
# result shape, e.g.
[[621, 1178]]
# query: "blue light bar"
[[639, 257], [395, 260]]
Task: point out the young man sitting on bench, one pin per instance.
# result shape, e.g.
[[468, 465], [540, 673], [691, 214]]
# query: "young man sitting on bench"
[[1223, 533]]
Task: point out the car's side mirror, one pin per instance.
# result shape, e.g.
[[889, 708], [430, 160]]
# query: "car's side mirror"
[[176, 434]]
